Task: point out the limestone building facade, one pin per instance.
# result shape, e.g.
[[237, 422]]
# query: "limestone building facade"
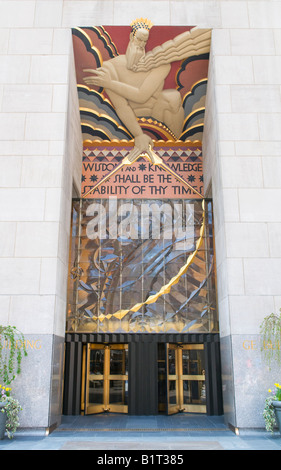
[[40, 173]]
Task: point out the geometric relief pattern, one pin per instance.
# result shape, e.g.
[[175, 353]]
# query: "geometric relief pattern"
[[101, 160]]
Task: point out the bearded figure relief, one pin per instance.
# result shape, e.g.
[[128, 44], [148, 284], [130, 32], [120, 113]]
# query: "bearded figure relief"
[[134, 81]]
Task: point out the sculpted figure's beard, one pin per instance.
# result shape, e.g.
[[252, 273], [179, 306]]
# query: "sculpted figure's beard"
[[133, 55]]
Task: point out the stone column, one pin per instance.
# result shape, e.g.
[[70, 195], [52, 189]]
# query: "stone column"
[[40, 164], [242, 167]]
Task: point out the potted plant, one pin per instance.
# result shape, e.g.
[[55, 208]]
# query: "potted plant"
[[12, 350], [272, 409], [9, 411], [3, 415], [270, 330]]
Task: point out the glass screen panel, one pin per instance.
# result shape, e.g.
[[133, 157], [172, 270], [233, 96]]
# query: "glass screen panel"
[[142, 266]]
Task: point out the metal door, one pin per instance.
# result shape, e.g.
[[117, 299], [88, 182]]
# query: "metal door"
[[186, 389], [105, 378]]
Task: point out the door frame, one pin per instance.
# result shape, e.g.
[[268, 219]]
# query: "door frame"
[[106, 378], [179, 377]]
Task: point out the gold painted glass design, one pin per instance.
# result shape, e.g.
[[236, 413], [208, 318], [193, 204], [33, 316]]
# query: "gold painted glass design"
[[142, 266]]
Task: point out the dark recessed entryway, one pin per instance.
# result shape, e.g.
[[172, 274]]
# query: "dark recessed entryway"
[[142, 374]]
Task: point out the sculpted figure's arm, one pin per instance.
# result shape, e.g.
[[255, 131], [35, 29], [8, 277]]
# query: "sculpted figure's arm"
[[108, 76], [142, 141], [102, 77]]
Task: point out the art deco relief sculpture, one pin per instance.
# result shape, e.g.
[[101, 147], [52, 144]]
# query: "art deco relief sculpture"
[[131, 92], [134, 81]]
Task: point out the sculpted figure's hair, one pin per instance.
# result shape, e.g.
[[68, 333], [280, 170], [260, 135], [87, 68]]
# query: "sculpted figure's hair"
[[141, 23]]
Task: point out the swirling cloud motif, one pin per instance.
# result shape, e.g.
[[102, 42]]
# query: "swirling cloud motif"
[[92, 46], [93, 100], [99, 120], [192, 83], [194, 100], [191, 71], [194, 111]]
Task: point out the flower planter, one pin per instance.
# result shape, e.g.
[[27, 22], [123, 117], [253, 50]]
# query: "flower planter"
[[277, 409], [3, 419]]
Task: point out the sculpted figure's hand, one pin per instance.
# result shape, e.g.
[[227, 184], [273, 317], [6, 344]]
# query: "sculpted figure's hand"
[[100, 77], [143, 144]]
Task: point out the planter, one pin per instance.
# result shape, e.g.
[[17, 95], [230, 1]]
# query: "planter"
[[277, 409], [3, 419]]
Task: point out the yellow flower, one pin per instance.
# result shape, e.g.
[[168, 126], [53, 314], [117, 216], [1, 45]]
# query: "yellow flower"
[[269, 390], [277, 385]]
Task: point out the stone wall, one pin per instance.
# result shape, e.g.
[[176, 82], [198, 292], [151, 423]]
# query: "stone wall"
[[242, 168]]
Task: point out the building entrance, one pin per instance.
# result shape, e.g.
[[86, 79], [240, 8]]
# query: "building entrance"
[[186, 390], [142, 374], [104, 378]]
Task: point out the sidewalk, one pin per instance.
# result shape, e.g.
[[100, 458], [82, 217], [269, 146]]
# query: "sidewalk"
[[109, 432]]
